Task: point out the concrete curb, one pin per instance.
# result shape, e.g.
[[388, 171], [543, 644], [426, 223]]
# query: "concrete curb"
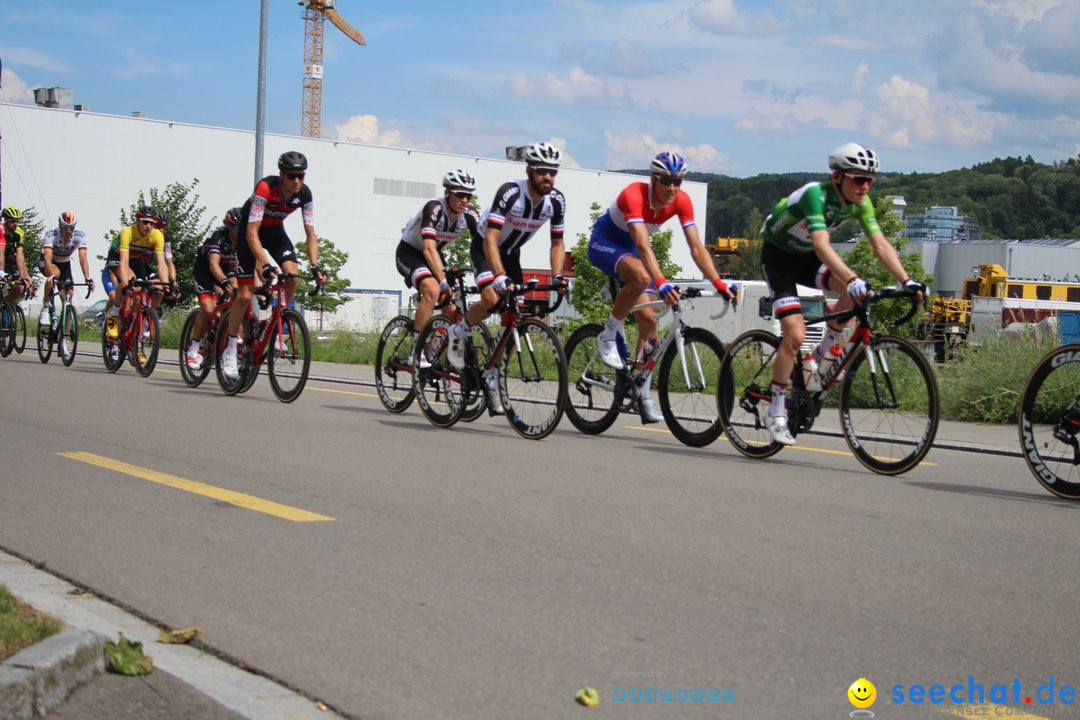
[[41, 677]]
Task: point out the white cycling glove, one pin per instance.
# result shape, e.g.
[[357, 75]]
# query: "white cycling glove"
[[915, 286], [499, 283], [444, 286], [857, 288]]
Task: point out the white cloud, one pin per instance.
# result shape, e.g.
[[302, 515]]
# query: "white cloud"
[[14, 90], [765, 123], [908, 117], [724, 18], [577, 87], [859, 79], [365, 129], [847, 42], [32, 58], [636, 151]]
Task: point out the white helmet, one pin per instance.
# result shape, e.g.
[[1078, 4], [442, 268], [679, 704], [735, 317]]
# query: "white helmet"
[[543, 153], [459, 179], [853, 156]]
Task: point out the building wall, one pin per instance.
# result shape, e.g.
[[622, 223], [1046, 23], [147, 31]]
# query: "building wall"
[[95, 164]]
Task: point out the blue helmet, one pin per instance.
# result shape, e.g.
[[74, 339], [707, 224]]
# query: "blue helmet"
[[669, 164]]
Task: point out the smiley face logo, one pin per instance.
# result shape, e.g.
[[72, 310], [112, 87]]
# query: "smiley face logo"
[[862, 693]]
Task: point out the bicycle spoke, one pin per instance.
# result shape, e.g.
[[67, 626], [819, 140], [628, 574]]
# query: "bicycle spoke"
[[532, 380], [687, 385], [744, 393], [1049, 422]]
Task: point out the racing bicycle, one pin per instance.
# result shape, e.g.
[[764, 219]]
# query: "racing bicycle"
[[686, 380], [137, 338], [889, 401], [1049, 421], [63, 327], [12, 320], [194, 378]]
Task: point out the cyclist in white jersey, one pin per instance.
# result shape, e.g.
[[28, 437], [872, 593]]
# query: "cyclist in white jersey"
[[520, 209], [59, 245]]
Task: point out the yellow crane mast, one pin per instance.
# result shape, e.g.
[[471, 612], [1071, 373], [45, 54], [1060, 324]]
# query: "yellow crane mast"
[[316, 13]]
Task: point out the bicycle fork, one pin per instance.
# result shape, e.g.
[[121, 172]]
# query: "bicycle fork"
[[874, 358]]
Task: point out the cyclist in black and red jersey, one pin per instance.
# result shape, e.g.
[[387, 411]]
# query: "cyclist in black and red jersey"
[[215, 267], [262, 236]]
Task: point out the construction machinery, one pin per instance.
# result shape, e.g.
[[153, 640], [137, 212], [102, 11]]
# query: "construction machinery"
[[316, 13]]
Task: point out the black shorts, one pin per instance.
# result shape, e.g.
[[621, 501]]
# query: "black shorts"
[[412, 265], [64, 266], [783, 271], [274, 240], [482, 270], [140, 266]]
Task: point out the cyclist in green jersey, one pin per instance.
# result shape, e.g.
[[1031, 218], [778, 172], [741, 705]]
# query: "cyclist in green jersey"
[[797, 250]]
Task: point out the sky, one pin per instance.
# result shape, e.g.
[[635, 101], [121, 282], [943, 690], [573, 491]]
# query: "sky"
[[737, 87]]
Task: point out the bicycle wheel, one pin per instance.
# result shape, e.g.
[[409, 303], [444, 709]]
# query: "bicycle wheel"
[[147, 343], [45, 342], [393, 365], [248, 371], [1049, 419], [7, 329], [194, 378], [68, 342], [438, 383], [532, 380], [687, 383], [889, 405], [20, 329], [288, 357], [112, 349], [594, 391], [743, 397], [482, 344]]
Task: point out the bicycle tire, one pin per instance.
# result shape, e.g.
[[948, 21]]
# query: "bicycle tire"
[[221, 339], [7, 329], [194, 378], [889, 440], [68, 342], [483, 344], [288, 356], [532, 380], [20, 329], [437, 381], [688, 387], [45, 342], [594, 391], [393, 365], [1048, 419], [112, 349], [744, 396], [147, 342]]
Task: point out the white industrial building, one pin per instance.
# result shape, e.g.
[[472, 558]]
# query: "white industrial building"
[[95, 164]]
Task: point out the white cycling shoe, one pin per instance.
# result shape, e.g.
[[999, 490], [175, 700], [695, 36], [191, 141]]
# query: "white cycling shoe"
[[494, 404], [609, 350], [649, 412], [777, 427], [194, 360], [456, 352], [228, 365]]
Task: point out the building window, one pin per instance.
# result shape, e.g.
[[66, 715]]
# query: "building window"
[[1073, 294], [1042, 292], [1014, 291]]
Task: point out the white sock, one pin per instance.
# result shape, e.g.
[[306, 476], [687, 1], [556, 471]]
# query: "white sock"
[[614, 326], [193, 346], [646, 389], [230, 347], [831, 338], [779, 396]]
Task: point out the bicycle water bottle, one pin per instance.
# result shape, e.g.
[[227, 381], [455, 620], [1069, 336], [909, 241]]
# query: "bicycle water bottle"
[[811, 374]]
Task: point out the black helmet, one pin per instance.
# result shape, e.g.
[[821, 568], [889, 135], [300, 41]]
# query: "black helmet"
[[146, 212], [292, 161], [162, 218], [232, 217]]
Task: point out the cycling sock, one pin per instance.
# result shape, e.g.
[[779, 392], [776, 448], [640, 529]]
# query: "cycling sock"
[[193, 346], [493, 379], [646, 390], [114, 311], [831, 338], [230, 347], [779, 396], [614, 326]]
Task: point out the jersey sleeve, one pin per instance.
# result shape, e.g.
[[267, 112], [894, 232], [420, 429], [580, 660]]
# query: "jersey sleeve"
[[307, 206], [259, 200], [125, 240], [684, 208], [504, 200], [157, 241], [631, 202], [867, 218], [48, 241], [429, 220], [558, 215], [472, 223]]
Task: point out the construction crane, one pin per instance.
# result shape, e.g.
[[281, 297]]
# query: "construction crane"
[[316, 12]]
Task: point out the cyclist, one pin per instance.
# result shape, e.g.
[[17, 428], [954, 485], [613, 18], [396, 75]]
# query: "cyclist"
[[262, 236], [620, 246], [129, 257], [12, 260], [439, 222], [170, 276], [520, 209], [59, 245], [797, 250], [215, 266]]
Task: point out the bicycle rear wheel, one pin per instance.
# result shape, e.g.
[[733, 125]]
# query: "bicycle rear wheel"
[[229, 386], [476, 402], [438, 383], [68, 342], [532, 380], [45, 342], [20, 329], [288, 356], [594, 391], [889, 405], [1049, 420], [688, 387], [112, 349], [744, 395], [193, 378], [7, 328], [146, 342], [393, 365]]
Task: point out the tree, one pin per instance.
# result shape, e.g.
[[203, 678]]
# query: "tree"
[[747, 265], [457, 252], [185, 232], [592, 291], [333, 296]]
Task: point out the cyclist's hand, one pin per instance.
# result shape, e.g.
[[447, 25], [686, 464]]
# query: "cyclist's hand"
[[90, 284], [668, 293], [501, 283], [917, 288], [560, 282], [728, 291], [444, 287], [318, 275], [267, 273], [858, 288]]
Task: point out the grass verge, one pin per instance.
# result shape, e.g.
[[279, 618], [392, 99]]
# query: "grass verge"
[[21, 625]]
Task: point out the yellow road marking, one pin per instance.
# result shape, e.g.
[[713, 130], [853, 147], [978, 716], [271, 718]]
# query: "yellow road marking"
[[342, 392], [248, 502]]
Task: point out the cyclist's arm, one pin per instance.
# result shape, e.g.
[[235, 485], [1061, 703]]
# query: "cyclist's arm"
[[312, 244], [831, 258], [85, 265], [697, 251], [20, 261], [261, 258], [215, 269], [50, 269], [640, 235], [434, 259], [123, 270], [163, 268], [491, 251]]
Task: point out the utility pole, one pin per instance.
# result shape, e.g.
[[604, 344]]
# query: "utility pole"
[[260, 104]]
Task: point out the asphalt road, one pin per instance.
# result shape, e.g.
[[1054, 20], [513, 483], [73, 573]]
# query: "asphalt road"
[[395, 570]]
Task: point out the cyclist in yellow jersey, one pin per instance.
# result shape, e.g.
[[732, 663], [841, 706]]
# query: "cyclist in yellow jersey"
[[12, 261], [129, 258]]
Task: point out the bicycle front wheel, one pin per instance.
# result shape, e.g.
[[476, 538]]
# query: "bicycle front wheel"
[[532, 380], [288, 358], [112, 348], [7, 328], [594, 391], [889, 405], [44, 342], [476, 402], [193, 378], [146, 342], [744, 393], [438, 383], [393, 365], [1049, 420], [688, 386], [20, 329], [68, 341]]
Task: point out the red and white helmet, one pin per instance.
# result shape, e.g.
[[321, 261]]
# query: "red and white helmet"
[[66, 220]]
